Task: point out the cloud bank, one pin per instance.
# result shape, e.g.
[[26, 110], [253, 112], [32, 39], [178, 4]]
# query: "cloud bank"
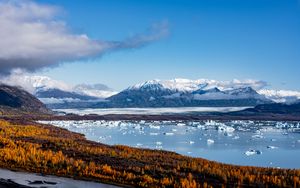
[[33, 38]]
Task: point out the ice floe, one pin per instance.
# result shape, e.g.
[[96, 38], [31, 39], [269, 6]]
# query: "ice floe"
[[210, 141], [272, 147], [253, 152], [181, 136], [191, 142]]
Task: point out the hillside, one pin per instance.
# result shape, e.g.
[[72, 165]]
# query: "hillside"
[[277, 108], [14, 100]]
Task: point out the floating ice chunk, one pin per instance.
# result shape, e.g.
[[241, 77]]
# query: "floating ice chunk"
[[189, 152], [168, 134], [139, 144], [201, 127], [154, 126], [191, 142], [229, 134], [273, 139], [211, 122], [174, 130], [180, 124], [257, 136], [210, 141], [224, 128], [137, 127], [154, 134], [296, 130], [272, 147], [158, 143], [235, 137], [253, 152]]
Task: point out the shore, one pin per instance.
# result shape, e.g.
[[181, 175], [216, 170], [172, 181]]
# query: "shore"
[[21, 179], [51, 150]]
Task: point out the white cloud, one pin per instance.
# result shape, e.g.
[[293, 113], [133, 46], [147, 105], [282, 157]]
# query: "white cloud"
[[32, 38], [32, 82]]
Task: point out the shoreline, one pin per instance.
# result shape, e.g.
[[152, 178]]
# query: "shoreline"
[[117, 158], [34, 179]]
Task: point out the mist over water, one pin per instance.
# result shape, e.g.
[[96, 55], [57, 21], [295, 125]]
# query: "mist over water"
[[150, 111]]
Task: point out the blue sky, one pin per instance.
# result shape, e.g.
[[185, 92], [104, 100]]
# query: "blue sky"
[[213, 39]]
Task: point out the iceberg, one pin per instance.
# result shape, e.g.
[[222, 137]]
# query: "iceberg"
[[168, 134], [154, 126], [272, 147], [227, 129], [191, 142], [253, 152], [210, 141], [257, 136], [235, 137]]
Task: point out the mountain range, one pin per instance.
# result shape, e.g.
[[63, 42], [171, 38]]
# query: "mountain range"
[[156, 93]]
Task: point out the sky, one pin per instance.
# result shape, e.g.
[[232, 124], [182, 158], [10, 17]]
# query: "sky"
[[143, 40]]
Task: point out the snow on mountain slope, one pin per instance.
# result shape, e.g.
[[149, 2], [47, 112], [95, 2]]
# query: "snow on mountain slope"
[[200, 89], [38, 85], [33, 83], [148, 85], [187, 93], [281, 96], [186, 85]]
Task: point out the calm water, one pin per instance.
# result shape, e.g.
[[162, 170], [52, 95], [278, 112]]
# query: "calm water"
[[261, 143], [35, 180]]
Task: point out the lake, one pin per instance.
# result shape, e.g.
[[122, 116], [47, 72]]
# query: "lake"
[[37, 180], [255, 143]]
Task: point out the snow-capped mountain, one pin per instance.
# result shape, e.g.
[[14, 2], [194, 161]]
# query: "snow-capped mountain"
[[205, 89], [183, 92], [281, 96], [153, 93], [32, 83], [52, 91], [186, 85]]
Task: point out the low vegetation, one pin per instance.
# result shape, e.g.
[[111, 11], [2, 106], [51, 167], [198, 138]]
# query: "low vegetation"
[[51, 150]]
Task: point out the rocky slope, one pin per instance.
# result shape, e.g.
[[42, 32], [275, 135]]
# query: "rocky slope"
[[14, 100]]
